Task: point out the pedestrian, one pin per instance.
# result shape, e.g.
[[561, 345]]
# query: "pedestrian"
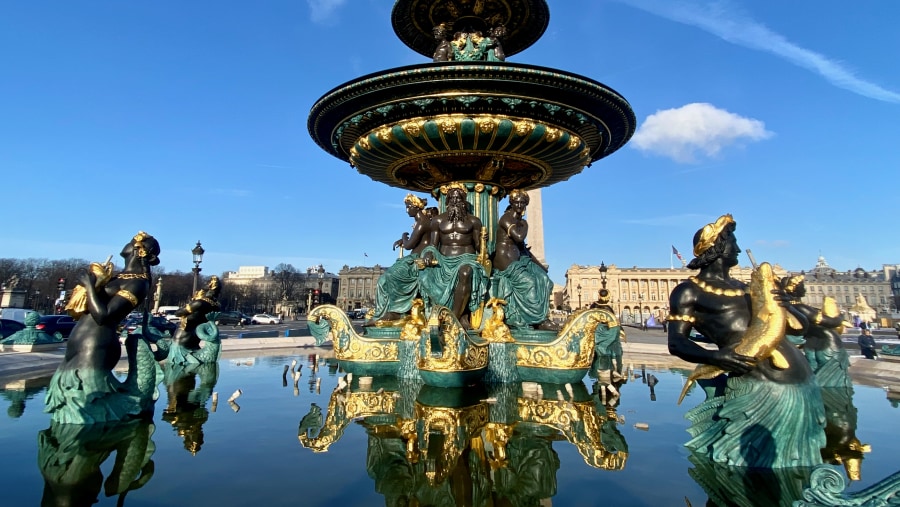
[[644, 325], [867, 344]]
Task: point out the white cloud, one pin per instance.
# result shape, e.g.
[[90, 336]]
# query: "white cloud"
[[321, 10], [722, 19], [682, 133]]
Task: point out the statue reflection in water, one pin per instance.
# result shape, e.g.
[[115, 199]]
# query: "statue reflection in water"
[[70, 457], [189, 387], [483, 445]]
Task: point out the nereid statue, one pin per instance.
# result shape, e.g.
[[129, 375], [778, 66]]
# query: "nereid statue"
[[84, 389], [519, 278], [822, 341], [399, 284]]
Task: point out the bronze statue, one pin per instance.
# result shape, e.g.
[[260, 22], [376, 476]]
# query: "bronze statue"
[[443, 53], [822, 341], [399, 284], [495, 47], [519, 278], [194, 313], [762, 413], [84, 390], [454, 278]]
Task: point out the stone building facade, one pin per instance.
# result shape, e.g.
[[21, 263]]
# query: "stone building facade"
[[357, 286], [636, 293], [843, 286]]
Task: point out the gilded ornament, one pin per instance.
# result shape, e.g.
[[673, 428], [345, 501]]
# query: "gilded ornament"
[[385, 134], [551, 134], [486, 124], [572, 349], [128, 295], [523, 127], [132, 276], [681, 318], [574, 142], [412, 128], [415, 201], [479, 187], [710, 232], [715, 290], [448, 125], [364, 143]]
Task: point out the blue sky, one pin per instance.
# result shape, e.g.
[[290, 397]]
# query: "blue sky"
[[188, 120]]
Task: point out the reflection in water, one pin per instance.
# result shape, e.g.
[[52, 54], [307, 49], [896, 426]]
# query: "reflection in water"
[[20, 391], [738, 486], [747, 487], [186, 410], [842, 447], [70, 457], [485, 445]]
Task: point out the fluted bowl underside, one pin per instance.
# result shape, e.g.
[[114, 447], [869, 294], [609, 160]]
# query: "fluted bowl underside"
[[518, 126], [414, 21]]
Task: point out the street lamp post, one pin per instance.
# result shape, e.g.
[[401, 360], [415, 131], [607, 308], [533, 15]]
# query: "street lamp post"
[[197, 252], [37, 298], [641, 307], [236, 303], [603, 270], [579, 295]]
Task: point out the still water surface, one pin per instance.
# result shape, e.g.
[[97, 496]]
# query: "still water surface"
[[388, 445]]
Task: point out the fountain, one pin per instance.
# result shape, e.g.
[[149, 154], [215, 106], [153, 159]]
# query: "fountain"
[[470, 127]]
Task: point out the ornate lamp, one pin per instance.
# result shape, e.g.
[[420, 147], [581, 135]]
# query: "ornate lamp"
[[197, 252]]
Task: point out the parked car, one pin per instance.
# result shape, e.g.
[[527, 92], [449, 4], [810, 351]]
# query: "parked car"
[[51, 324], [159, 323], [265, 318], [17, 314], [232, 319], [9, 326]]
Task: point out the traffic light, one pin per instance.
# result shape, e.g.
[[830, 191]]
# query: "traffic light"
[[316, 296], [61, 284]]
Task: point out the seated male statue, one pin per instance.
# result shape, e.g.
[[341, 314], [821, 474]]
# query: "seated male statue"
[[452, 275]]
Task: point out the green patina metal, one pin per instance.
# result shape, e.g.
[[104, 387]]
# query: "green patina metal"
[[208, 333], [31, 335], [470, 120], [826, 489]]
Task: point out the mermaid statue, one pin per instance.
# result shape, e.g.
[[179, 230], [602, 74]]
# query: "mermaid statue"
[[197, 325], [84, 389], [822, 341]]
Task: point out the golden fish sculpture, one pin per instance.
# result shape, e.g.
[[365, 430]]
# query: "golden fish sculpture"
[[766, 330], [77, 305]]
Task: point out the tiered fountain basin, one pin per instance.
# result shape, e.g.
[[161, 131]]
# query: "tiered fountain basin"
[[513, 125], [446, 355]]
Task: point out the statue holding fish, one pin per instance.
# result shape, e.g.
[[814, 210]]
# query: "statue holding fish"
[[763, 407]]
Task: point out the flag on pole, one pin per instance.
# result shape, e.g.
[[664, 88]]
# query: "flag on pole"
[[675, 251]]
